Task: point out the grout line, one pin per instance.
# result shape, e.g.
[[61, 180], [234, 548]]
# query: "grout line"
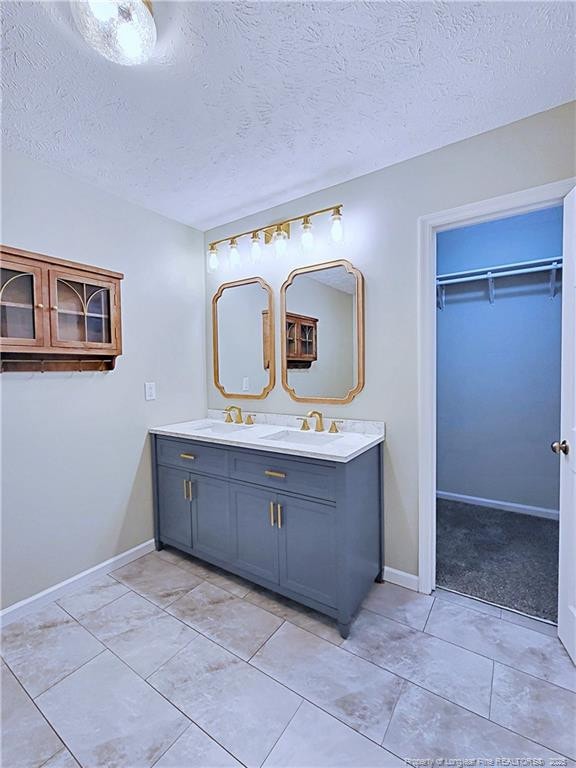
[[184, 732], [432, 604], [278, 628], [283, 731], [491, 691], [402, 689], [43, 716]]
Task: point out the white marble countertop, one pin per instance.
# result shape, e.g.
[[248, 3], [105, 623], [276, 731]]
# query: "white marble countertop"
[[282, 436]]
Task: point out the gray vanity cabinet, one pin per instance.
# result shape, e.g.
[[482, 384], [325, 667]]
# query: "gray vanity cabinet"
[[308, 529], [212, 528], [253, 511], [174, 512], [307, 548]]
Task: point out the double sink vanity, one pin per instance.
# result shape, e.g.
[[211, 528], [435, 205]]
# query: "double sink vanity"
[[293, 504], [297, 512]]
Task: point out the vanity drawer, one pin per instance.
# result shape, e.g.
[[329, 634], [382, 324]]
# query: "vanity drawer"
[[286, 474], [196, 457]]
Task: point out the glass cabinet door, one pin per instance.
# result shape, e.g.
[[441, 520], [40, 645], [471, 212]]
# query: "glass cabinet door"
[[307, 340], [82, 311], [21, 308]]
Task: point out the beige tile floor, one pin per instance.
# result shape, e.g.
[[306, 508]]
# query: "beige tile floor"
[[171, 663]]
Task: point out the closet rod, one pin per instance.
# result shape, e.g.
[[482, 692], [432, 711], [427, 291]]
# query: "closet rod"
[[442, 280], [515, 265]]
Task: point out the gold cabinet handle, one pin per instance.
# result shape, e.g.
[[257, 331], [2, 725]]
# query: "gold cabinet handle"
[[39, 306], [279, 508], [187, 456], [272, 473], [54, 306], [189, 490], [272, 514], [186, 490]]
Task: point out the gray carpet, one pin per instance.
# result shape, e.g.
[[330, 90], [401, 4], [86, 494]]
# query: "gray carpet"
[[504, 557]]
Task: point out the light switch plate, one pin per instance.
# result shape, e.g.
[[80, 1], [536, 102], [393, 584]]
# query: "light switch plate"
[[150, 390], [245, 384]]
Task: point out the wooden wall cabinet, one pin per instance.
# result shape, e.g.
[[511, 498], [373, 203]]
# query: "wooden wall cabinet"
[[57, 314], [301, 340]]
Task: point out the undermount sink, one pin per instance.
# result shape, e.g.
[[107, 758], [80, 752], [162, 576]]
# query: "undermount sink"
[[221, 427], [302, 438]]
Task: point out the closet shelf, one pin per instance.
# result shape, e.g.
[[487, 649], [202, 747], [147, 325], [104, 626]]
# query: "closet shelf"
[[503, 270]]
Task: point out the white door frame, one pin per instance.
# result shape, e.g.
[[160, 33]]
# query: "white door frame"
[[507, 205]]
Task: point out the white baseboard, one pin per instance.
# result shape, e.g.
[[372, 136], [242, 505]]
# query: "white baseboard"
[[401, 578], [506, 506], [30, 604]]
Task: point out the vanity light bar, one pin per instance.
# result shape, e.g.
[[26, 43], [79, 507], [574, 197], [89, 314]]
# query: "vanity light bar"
[[279, 231]]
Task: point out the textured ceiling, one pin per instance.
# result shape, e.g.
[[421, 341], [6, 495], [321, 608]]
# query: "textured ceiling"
[[246, 105]]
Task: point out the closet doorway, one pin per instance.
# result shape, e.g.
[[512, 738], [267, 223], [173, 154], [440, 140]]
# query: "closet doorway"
[[498, 366]]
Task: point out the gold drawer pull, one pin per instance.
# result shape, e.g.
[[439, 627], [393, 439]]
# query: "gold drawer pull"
[[187, 456], [271, 473], [272, 514], [279, 508]]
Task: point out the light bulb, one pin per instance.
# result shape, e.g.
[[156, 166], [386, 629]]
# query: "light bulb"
[[129, 40], [336, 230], [255, 250], [213, 260], [123, 31], [307, 234], [234, 253], [280, 241], [103, 10]]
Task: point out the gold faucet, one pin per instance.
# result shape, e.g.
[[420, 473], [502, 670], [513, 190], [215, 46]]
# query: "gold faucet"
[[319, 420], [237, 417]]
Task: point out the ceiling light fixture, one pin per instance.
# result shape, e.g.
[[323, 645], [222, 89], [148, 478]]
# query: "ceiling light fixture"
[[307, 234], [336, 230], [122, 31]]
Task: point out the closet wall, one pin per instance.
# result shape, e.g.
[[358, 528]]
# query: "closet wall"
[[499, 365]]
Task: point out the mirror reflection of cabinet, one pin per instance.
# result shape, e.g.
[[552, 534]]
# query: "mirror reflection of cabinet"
[[323, 333], [56, 314], [301, 335], [243, 339]]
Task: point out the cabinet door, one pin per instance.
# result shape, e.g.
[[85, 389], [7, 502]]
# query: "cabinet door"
[[174, 506], [21, 305], [212, 530], [84, 312], [307, 544], [256, 531]]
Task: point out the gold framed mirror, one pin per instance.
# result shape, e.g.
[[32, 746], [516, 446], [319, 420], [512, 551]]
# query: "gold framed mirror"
[[244, 358], [322, 329]]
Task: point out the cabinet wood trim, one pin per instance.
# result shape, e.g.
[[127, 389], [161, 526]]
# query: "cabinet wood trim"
[[46, 352], [40, 302], [43, 259]]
